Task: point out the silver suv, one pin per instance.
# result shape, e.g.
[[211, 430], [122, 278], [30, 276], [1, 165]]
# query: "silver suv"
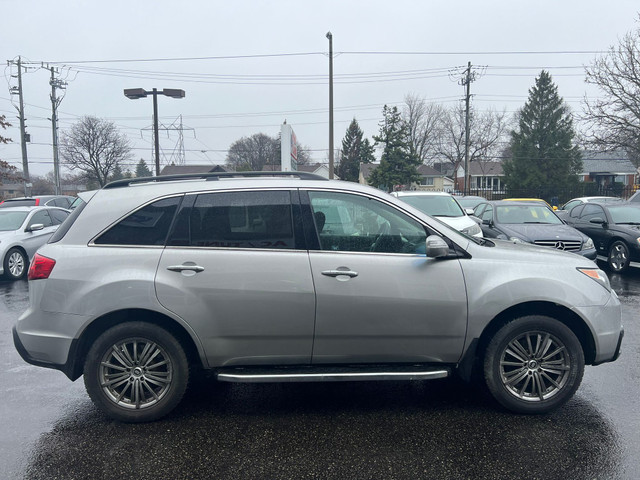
[[291, 277]]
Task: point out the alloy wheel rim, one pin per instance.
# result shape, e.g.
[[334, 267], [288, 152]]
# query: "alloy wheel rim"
[[16, 264], [136, 373], [535, 366], [618, 257]]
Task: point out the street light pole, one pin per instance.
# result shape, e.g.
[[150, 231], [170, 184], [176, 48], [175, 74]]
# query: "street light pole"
[[135, 93], [156, 138], [331, 167]]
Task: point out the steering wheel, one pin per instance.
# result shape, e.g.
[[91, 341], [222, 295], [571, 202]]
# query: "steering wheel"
[[387, 240]]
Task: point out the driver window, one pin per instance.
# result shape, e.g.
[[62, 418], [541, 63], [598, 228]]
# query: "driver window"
[[354, 223], [41, 217]]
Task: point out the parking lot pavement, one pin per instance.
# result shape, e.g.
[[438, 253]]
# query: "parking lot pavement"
[[439, 429]]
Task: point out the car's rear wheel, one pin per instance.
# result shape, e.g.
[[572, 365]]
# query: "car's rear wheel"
[[533, 364], [15, 264], [618, 259], [136, 372]]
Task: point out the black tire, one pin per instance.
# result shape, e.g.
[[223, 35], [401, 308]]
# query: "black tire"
[[136, 372], [16, 264], [533, 364], [618, 258]]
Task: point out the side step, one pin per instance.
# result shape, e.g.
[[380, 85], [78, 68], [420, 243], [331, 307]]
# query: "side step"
[[328, 374]]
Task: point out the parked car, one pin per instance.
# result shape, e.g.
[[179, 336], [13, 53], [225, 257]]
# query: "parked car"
[[150, 278], [615, 230], [564, 210], [538, 201], [62, 201], [532, 223], [635, 198], [444, 207], [22, 231], [470, 202]]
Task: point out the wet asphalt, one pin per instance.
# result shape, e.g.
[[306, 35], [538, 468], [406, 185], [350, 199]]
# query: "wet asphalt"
[[444, 429]]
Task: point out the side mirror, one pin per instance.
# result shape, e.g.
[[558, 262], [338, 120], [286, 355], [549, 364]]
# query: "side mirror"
[[34, 228], [436, 247], [469, 211], [488, 222], [597, 220]]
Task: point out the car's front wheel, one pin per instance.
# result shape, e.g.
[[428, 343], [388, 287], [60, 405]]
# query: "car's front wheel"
[[15, 264], [618, 259], [533, 364], [136, 372]]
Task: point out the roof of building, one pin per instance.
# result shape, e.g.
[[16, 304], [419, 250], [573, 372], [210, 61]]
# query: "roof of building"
[[182, 169], [606, 163], [489, 169]]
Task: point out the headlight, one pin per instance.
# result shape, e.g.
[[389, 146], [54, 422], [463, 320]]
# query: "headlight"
[[472, 230], [588, 244], [597, 275]]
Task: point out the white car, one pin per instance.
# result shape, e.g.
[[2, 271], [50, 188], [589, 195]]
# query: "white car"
[[22, 231], [444, 207]]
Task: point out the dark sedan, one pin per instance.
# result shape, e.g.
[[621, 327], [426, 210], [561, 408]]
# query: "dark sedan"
[[532, 223], [615, 230]]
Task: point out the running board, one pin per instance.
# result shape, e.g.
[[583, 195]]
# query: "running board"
[[338, 375]]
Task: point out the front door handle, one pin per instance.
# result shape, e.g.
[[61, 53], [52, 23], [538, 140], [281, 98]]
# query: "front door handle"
[[182, 268], [337, 273]]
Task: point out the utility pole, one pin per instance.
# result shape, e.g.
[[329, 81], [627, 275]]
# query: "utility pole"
[[24, 136], [467, 77], [467, 84], [55, 83], [331, 167]]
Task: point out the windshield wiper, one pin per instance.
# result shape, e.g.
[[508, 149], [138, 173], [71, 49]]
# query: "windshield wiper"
[[628, 223]]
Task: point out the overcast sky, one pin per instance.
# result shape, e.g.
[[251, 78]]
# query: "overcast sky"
[[246, 66]]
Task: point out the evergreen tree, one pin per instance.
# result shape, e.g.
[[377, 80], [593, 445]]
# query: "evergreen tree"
[[142, 170], [544, 159], [355, 150], [398, 166]]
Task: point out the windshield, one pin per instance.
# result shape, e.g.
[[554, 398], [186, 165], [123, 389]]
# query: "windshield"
[[470, 202], [11, 220], [625, 214], [520, 214], [435, 205]]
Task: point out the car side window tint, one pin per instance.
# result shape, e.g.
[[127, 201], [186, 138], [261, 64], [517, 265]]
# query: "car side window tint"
[[478, 210], [576, 211], [41, 217], [568, 206], [239, 220], [354, 223], [487, 214], [58, 216], [591, 211], [147, 226]]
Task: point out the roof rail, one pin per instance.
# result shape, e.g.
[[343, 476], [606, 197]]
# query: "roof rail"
[[210, 176]]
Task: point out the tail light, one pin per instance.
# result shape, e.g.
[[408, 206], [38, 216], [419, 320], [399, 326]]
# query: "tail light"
[[37, 202], [41, 267]]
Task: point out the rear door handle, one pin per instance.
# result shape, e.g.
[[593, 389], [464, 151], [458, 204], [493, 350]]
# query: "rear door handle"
[[336, 273], [182, 268]]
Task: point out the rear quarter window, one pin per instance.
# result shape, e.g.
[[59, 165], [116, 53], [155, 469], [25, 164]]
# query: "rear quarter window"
[[146, 226]]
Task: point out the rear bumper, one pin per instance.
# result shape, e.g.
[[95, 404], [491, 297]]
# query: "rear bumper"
[[65, 368]]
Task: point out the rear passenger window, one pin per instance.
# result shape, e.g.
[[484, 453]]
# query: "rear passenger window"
[[237, 220], [58, 216], [147, 226]]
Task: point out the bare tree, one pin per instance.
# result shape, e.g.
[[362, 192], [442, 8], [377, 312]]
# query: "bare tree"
[[613, 120], [424, 123], [94, 146], [487, 134], [252, 153], [256, 152]]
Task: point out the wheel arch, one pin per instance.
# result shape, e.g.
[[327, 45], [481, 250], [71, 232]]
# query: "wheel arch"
[[100, 324], [558, 312], [24, 253]]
